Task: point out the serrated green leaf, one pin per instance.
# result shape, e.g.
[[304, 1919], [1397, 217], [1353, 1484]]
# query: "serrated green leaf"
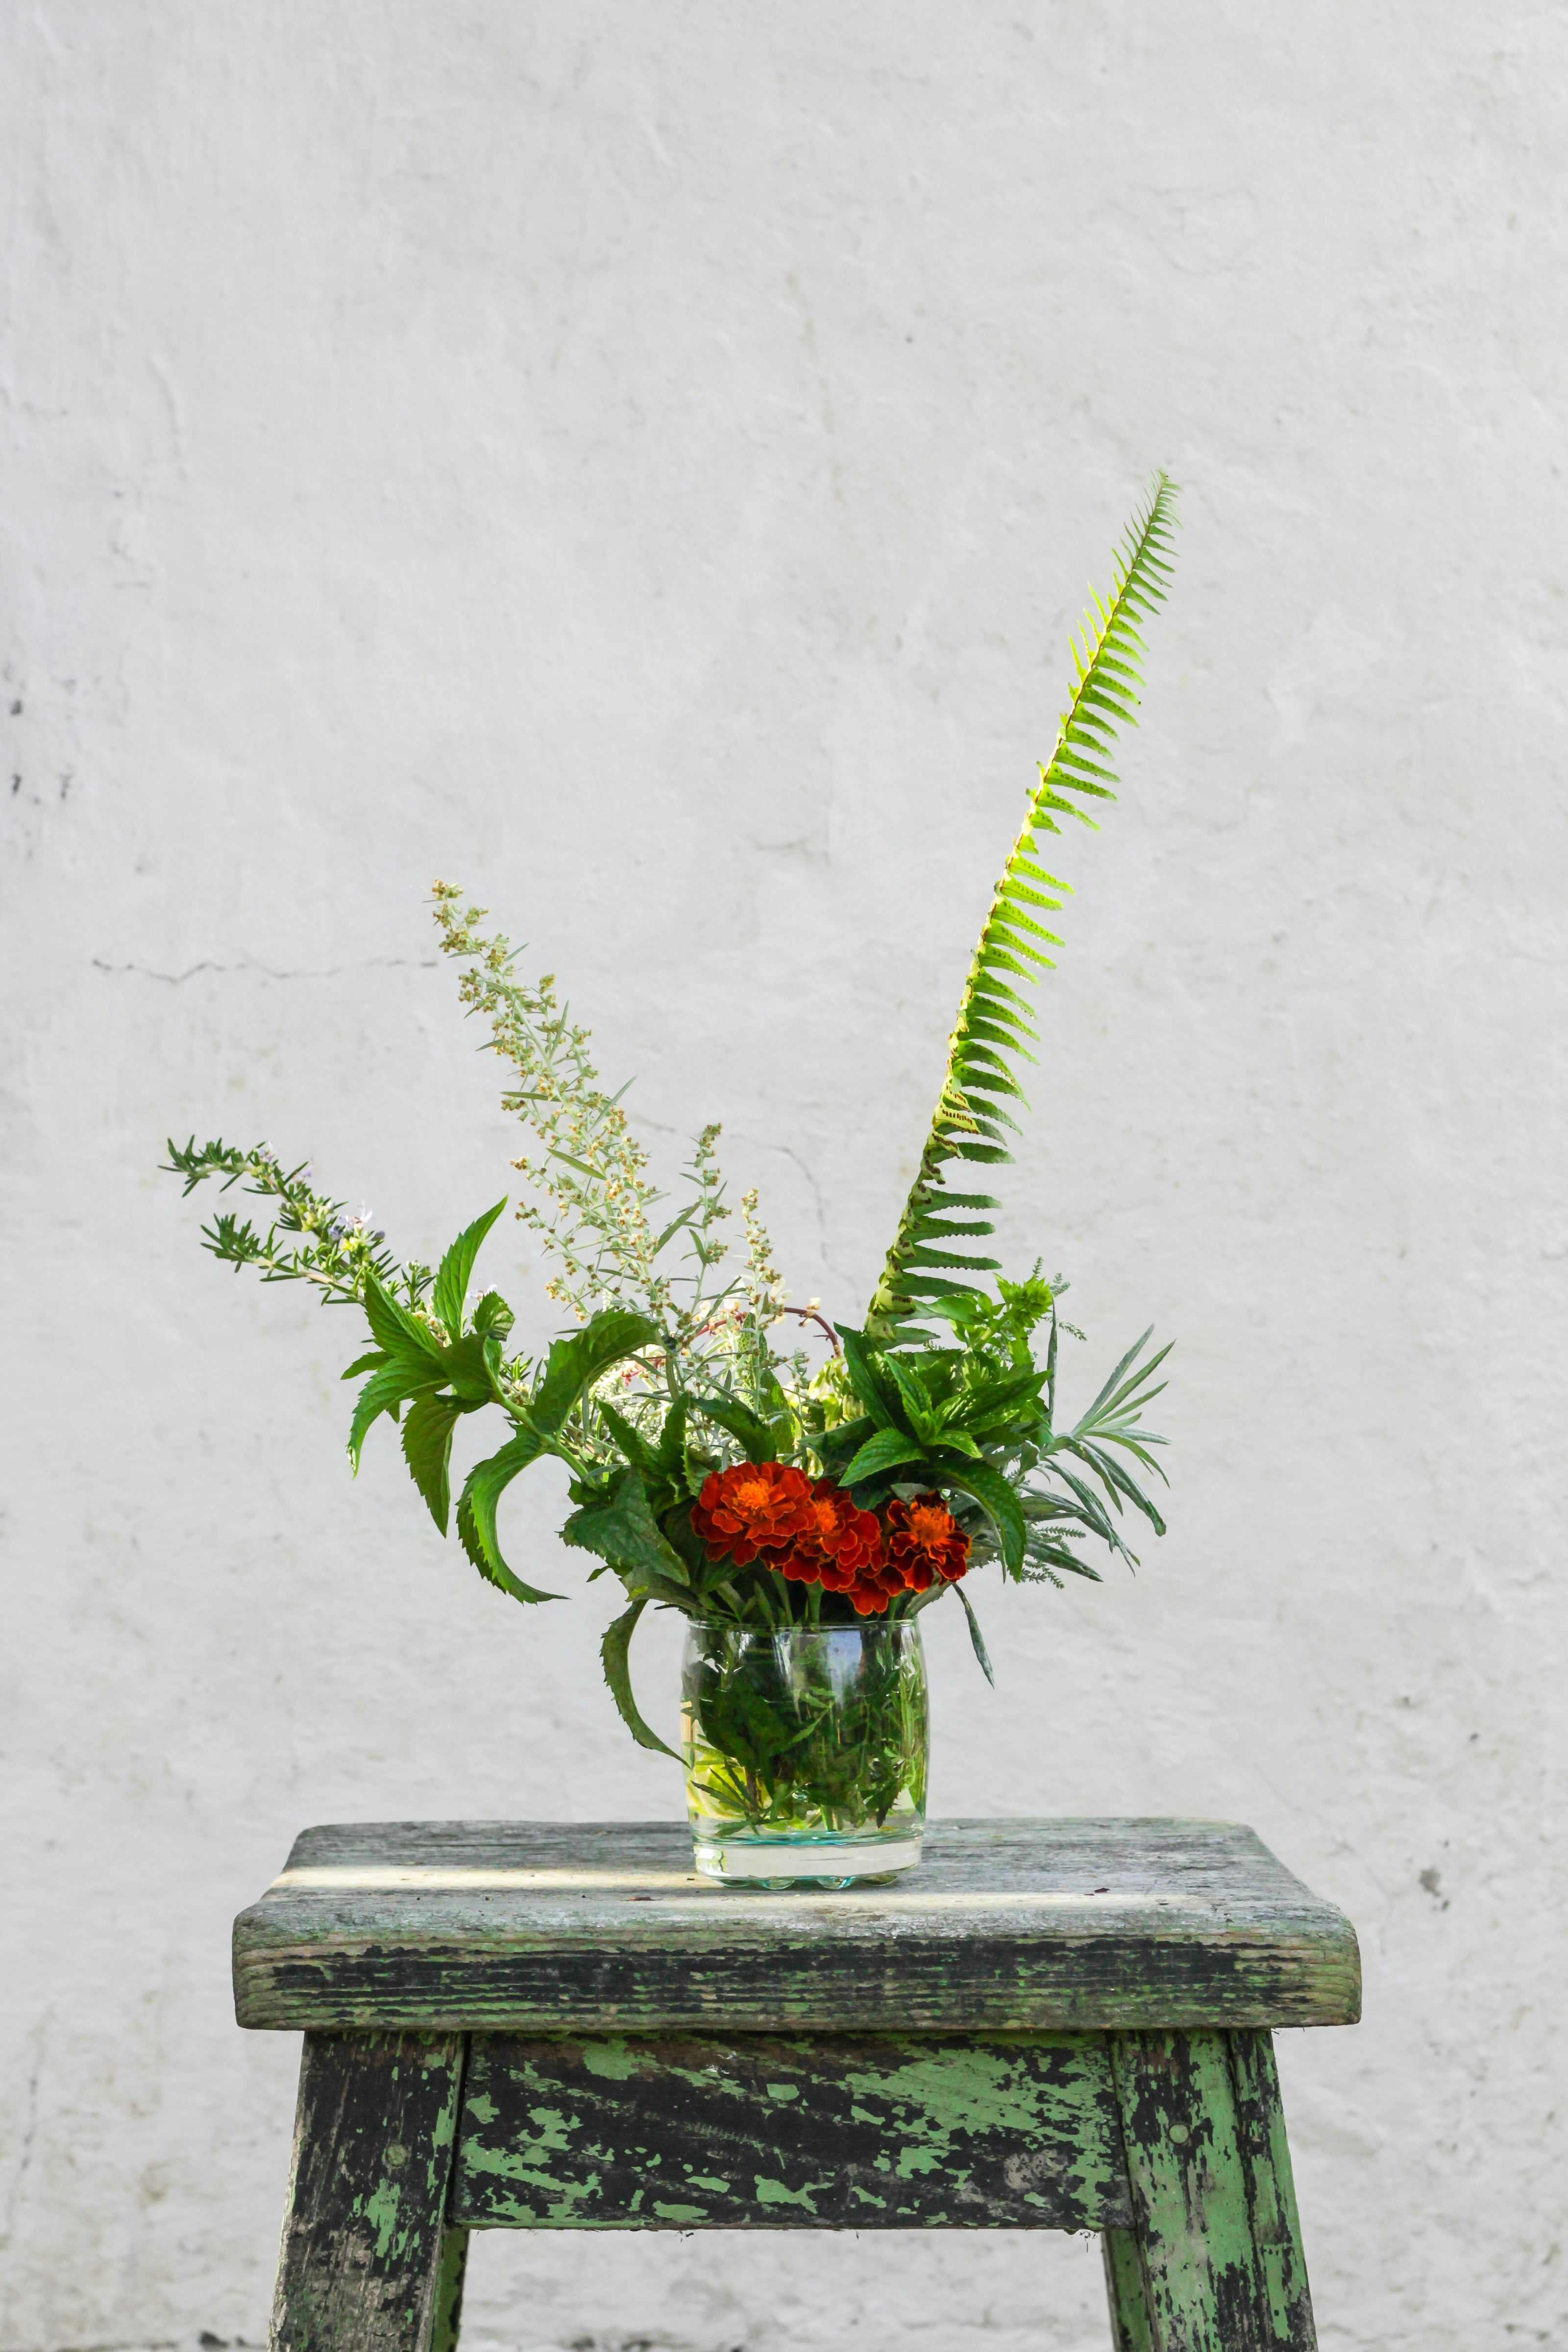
[[884, 1452], [471, 1366], [386, 1392], [427, 1450], [957, 1441], [476, 1505], [672, 1442], [451, 1290], [919, 1412], [395, 1328], [994, 1493], [574, 1364], [872, 1386], [922, 1255], [493, 1318], [619, 1528]]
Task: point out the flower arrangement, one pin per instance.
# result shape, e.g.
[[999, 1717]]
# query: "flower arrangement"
[[715, 1468]]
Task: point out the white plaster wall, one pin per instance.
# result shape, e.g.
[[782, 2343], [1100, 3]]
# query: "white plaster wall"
[[643, 463]]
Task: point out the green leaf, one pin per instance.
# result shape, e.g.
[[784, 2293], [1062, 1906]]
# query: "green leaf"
[[956, 1441], [451, 1290], [482, 1491], [918, 1410], [1001, 1505], [471, 1366], [675, 1224], [375, 1362], [885, 1450], [977, 1639], [1091, 1510], [672, 1442], [395, 1328], [1116, 1481], [1114, 1390], [631, 1440], [384, 1391], [865, 1376], [615, 1652], [620, 1527], [427, 1450], [573, 1365], [493, 1318], [748, 1429]]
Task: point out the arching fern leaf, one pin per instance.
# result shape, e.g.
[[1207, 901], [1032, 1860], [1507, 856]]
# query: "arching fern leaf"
[[988, 1039]]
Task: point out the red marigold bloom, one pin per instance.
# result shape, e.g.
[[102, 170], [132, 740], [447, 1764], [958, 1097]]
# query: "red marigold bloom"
[[752, 1508], [925, 1541]]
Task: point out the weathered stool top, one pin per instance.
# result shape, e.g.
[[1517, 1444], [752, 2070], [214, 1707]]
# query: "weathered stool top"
[[602, 1928]]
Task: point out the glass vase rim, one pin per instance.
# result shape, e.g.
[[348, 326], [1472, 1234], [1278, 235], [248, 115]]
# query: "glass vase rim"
[[772, 1633]]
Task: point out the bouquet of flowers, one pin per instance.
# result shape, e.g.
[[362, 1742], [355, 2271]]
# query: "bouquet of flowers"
[[747, 1461]]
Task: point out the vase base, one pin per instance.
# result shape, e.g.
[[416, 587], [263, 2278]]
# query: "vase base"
[[772, 1865]]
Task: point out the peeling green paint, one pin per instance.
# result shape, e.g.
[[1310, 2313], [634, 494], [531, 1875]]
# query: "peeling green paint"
[[1172, 2142], [1019, 2129], [611, 2059], [381, 2209], [775, 2192], [365, 2223]]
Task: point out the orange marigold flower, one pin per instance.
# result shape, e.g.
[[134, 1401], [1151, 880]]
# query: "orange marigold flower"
[[924, 1543], [839, 1544], [850, 1539], [874, 1588], [752, 1508]]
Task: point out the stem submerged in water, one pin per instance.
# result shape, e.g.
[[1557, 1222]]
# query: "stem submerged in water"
[[807, 1731]]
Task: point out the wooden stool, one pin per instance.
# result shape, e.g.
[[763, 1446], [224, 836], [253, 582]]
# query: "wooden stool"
[[1057, 2025]]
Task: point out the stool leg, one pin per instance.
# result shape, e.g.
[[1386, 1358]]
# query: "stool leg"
[[450, 2291], [1131, 2328], [1270, 2185], [1214, 2210], [368, 2262]]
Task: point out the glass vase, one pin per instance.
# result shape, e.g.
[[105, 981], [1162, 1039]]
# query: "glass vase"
[[804, 1751]]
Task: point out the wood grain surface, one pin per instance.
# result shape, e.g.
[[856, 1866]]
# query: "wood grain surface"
[[585, 1929], [767, 2132], [1215, 2213], [369, 2262]]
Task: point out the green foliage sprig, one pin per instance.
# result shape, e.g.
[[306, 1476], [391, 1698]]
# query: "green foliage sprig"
[[309, 1239], [671, 1382], [924, 1272]]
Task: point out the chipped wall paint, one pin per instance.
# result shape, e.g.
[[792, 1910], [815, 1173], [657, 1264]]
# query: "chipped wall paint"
[[644, 465]]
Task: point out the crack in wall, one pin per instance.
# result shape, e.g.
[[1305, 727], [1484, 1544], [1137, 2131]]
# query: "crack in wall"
[[271, 972]]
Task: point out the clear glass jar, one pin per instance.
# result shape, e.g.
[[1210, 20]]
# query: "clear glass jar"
[[804, 1751]]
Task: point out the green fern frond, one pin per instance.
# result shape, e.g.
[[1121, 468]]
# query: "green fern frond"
[[991, 1034]]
